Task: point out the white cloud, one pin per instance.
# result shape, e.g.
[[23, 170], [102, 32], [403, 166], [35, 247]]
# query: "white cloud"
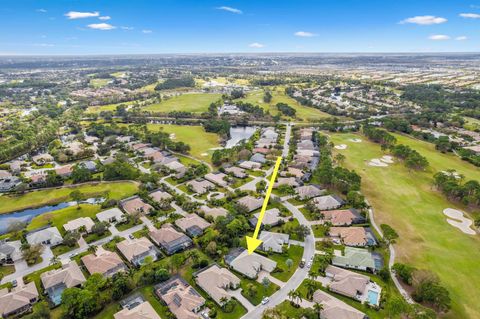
[[304, 34], [126, 28], [256, 45], [104, 18], [470, 15], [461, 38], [230, 9], [44, 45], [41, 10], [439, 37], [101, 26], [424, 20], [147, 31], [81, 15]]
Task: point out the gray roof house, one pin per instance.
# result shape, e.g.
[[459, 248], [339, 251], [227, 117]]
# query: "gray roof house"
[[251, 202], [112, 215], [258, 158], [273, 241], [308, 191], [6, 252], [328, 202], [170, 239], [57, 280], [46, 236], [9, 183], [249, 264], [271, 218]]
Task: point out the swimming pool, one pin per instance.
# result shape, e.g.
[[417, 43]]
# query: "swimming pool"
[[372, 297]]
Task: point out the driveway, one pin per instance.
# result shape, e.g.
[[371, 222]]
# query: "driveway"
[[237, 294], [23, 269]]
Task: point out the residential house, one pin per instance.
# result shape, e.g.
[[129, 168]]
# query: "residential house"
[[273, 241], [258, 158], [216, 282], [250, 202], [328, 202], [249, 165], [76, 224], [159, 195], [290, 181], [64, 171], [358, 258], [344, 217], [177, 167], [200, 186], [112, 215], [271, 218], [217, 178], [181, 298], [135, 205], [136, 250], [18, 301], [334, 308], [42, 159], [295, 172], [308, 191], [192, 224], [249, 265], [169, 239], [143, 310], [236, 171], [9, 182], [347, 283], [45, 236], [261, 150], [7, 252], [104, 262], [214, 211], [57, 280], [352, 236]]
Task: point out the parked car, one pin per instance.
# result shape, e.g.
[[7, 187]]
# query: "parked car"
[[131, 236], [14, 283], [302, 263], [265, 300]]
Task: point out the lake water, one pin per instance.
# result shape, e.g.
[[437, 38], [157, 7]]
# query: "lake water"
[[28, 214], [238, 133]]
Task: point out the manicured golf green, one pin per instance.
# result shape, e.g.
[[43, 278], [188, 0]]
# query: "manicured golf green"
[[408, 202], [189, 102], [54, 196], [200, 142], [279, 96]]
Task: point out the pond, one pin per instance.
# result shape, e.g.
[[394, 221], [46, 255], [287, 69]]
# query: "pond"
[[238, 133], [25, 216]]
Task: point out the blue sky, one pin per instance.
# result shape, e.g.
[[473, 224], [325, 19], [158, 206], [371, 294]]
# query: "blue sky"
[[203, 26]]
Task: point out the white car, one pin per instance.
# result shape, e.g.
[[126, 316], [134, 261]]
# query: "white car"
[[309, 264], [265, 300]]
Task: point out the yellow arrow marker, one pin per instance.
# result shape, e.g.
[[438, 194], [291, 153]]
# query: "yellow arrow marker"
[[253, 242]]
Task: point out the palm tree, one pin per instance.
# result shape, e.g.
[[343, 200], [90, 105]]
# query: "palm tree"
[[318, 307], [291, 295], [93, 249], [312, 274], [54, 260], [223, 301], [311, 286]]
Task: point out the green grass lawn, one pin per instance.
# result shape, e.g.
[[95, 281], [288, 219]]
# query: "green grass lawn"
[[294, 253], [54, 196], [98, 83], [407, 202], [6, 270], [279, 96], [200, 142], [471, 123], [62, 249], [260, 292], [105, 108], [319, 230], [62, 216], [189, 102]]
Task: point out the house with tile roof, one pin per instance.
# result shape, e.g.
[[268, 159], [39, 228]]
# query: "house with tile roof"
[[137, 249], [104, 262], [57, 280], [169, 239], [143, 310], [273, 242], [192, 224], [18, 300], [217, 282], [249, 265]]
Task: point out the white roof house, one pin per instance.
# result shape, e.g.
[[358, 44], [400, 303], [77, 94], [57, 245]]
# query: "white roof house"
[[111, 215], [249, 265], [217, 178], [328, 202], [48, 236], [271, 217], [76, 224], [273, 241]]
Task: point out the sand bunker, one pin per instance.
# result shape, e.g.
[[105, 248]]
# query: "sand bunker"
[[377, 163], [387, 159], [458, 220], [204, 154], [172, 136], [341, 147], [355, 140]]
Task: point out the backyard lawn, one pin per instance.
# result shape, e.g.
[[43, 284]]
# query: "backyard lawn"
[[188, 102], [54, 196], [200, 142], [62, 216], [408, 202], [259, 292]]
